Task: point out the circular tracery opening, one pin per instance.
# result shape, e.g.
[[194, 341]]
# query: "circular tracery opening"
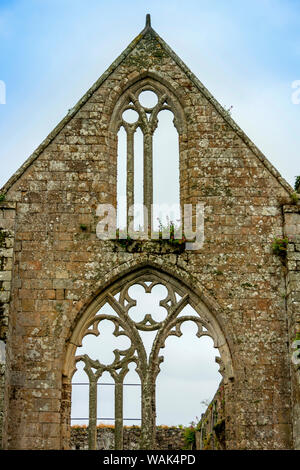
[[148, 155], [102, 346], [130, 116], [148, 99]]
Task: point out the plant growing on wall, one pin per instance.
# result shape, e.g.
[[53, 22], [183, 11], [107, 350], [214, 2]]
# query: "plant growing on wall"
[[169, 228], [279, 247]]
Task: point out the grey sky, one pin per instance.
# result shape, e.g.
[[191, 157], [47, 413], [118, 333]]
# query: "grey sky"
[[245, 53]]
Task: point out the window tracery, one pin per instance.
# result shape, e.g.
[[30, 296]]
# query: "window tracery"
[[132, 113]]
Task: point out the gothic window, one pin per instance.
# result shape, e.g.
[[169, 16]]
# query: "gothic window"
[[148, 119]]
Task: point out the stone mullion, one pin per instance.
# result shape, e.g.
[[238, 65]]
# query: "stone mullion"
[[93, 414], [291, 230], [148, 412], [130, 172], [119, 414], [148, 177]]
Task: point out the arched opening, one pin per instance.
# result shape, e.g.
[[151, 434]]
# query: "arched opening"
[[121, 180], [140, 331], [189, 369]]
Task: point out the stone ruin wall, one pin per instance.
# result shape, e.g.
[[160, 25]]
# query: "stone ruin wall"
[[210, 434], [7, 235], [58, 269], [292, 266], [2, 388], [166, 438]]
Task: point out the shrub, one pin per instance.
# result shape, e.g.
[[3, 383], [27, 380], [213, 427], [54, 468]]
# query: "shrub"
[[189, 437]]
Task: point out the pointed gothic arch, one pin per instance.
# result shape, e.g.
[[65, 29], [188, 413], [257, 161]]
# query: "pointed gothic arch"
[[117, 296]]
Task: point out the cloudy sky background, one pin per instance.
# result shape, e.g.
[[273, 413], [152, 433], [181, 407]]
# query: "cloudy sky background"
[[246, 53]]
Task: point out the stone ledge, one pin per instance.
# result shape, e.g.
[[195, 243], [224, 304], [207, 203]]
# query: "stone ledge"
[[291, 208], [7, 205]]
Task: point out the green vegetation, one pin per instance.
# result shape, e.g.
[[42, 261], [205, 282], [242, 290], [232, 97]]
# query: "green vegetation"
[[3, 235], [219, 428], [169, 229], [124, 241], [279, 247], [206, 442], [297, 184], [246, 285], [294, 198]]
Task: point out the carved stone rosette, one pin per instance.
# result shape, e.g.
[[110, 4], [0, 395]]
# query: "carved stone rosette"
[[147, 120]]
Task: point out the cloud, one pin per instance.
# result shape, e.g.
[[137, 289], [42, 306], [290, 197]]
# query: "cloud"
[[246, 54]]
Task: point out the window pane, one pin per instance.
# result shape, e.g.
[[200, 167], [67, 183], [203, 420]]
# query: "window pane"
[[121, 179]]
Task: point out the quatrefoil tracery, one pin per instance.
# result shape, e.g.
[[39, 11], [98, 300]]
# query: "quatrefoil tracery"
[[174, 304]]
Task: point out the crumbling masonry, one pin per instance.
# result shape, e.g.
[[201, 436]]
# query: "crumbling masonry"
[[55, 272]]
